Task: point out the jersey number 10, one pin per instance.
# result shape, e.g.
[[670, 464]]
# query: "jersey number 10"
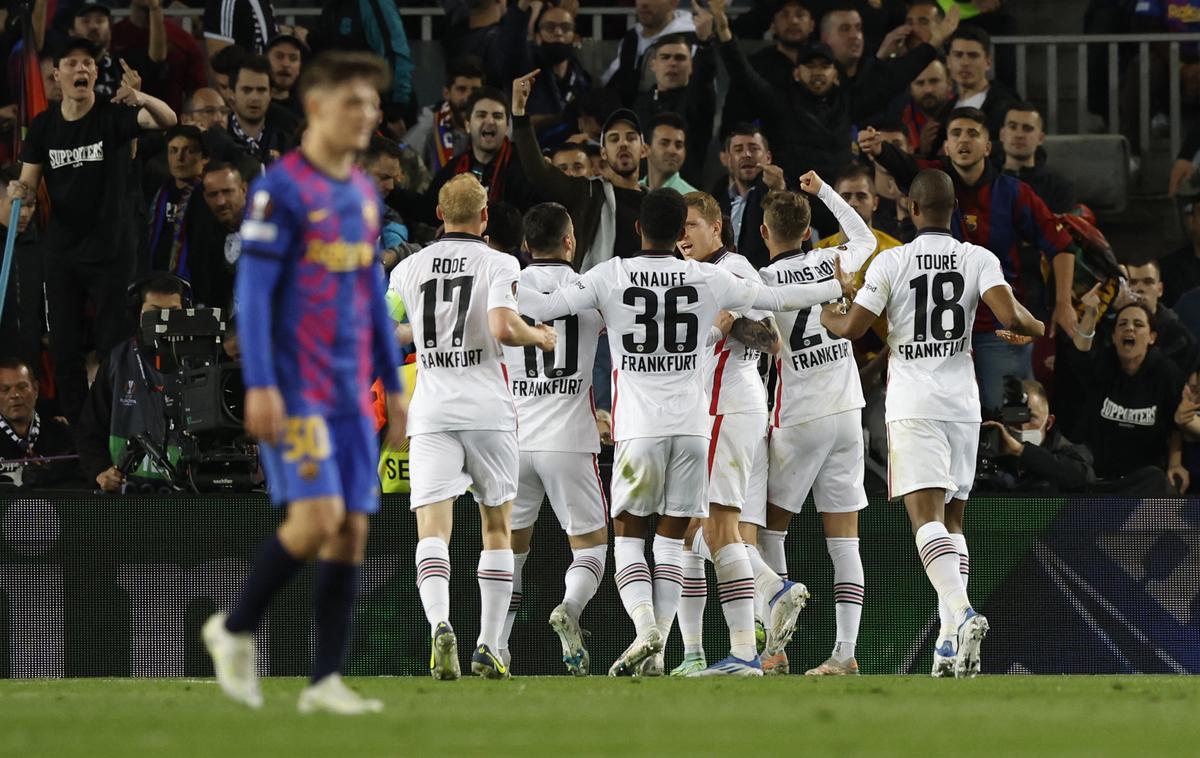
[[931, 323], [567, 346]]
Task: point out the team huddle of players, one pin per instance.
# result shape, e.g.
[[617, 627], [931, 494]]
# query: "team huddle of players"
[[511, 414], [503, 407]]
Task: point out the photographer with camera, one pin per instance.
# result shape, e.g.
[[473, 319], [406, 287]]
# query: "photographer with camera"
[[1031, 455], [126, 431]]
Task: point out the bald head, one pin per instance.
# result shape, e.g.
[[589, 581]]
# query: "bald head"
[[932, 196]]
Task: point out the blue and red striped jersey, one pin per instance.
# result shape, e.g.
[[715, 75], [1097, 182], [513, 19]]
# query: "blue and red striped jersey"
[[312, 319]]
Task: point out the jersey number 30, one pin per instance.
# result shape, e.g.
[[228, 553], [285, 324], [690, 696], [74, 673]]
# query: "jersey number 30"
[[673, 321], [946, 290]]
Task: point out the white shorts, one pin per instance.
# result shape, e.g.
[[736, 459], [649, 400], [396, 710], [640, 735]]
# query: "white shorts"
[[927, 454], [664, 475], [443, 465], [737, 464], [572, 480], [824, 455]]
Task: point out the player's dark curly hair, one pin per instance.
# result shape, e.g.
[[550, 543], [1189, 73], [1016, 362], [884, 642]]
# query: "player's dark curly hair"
[[662, 216]]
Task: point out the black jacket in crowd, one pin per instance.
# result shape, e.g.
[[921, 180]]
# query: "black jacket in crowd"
[[1056, 465], [749, 241], [54, 439], [696, 103], [1055, 190]]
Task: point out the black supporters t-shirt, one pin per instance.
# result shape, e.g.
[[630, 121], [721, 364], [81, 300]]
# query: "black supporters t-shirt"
[[86, 164]]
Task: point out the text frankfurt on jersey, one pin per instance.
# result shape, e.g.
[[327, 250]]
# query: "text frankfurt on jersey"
[[542, 388], [659, 363], [820, 356], [915, 350], [451, 358]]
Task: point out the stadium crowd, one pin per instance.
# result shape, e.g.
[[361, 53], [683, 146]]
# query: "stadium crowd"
[[132, 143]]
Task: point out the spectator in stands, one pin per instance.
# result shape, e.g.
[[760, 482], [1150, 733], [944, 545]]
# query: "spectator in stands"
[[253, 127], [205, 109], [1037, 457], [26, 434], [248, 24], [1133, 392], [666, 153], [655, 19], [381, 162], [594, 107], [23, 321], [998, 212], [809, 125], [572, 159], [82, 149], [604, 210], [685, 87], [923, 113], [441, 130], [285, 53], [554, 103], [922, 18], [217, 240], [148, 32], [747, 158], [125, 401], [375, 26], [892, 216], [505, 232], [167, 234], [969, 61], [841, 29], [1022, 137], [791, 27], [225, 65], [1174, 340], [856, 185], [1181, 269], [474, 29], [490, 155], [93, 22]]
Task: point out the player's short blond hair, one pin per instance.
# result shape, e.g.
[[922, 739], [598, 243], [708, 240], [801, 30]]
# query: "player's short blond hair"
[[462, 199], [786, 215], [705, 203]]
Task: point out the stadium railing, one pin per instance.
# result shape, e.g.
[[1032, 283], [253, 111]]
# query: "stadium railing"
[[119, 586]]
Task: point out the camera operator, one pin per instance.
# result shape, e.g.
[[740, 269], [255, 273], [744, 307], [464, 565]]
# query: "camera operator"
[[1036, 456], [127, 400]]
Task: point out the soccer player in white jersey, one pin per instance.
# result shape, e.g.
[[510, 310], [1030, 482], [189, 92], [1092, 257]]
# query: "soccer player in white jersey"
[[658, 310], [816, 436], [931, 289], [461, 297], [737, 406], [559, 441]]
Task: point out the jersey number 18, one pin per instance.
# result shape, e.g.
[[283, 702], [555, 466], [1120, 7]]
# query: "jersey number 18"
[[931, 323]]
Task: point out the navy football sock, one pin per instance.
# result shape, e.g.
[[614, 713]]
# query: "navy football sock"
[[272, 569], [335, 589]]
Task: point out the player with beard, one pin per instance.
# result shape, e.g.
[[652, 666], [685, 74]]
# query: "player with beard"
[[604, 209], [489, 155]]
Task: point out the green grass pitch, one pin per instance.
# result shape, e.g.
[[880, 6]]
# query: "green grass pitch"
[[558, 716]]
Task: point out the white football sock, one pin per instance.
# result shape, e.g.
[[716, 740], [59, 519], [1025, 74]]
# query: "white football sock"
[[735, 588], [761, 609], [848, 592], [766, 581], [770, 544], [949, 628], [495, 577], [692, 602], [668, 581], [583, 577], [433, 579], [699, 545], [632, 575], [514, 605], [940, 559]]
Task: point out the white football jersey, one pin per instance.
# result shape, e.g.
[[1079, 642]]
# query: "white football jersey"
[[818, 376], [734, 385], [659, 310], [931, 289], [553, 391], [448, 289]]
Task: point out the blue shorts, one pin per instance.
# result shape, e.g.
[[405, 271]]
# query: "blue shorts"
[[335, 456]]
